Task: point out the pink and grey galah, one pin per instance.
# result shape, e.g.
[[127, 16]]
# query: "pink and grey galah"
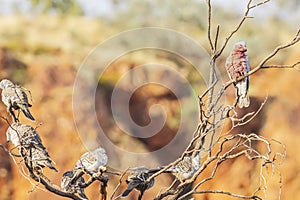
[[186, 168], [29, 143], [92, 161], [15, 97], [237, 65], [138, 179]]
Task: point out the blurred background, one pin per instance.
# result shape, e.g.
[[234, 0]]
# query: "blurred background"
[[43, 43]]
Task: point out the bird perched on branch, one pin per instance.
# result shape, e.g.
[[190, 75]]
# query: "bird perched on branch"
[[137, 179], [30, 145], [92, 161], [237, 65], [15, 97], [75, 187], [186, 168]]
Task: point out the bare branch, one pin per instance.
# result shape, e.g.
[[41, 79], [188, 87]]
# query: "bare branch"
[[228, 193], [209, 25], [259, 4], [41, 178], [282, 66], [4, 118], [103, 186], [119, 184], [295, 40], [220, 51], [217, 37], [9, 151], [239, 25], [247, 117], [242, 141]]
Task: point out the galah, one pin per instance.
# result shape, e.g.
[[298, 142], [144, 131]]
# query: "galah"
[[237, 65], [30, 145], [186, 168], [92, 161], [137, 179], [15, 97]]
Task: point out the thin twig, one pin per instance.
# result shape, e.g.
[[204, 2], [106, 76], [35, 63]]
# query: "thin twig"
[[9, 152], [220, 51], [295, 40], [259, 4], [227, 193], [209, 25], [119, 184], [282, 66], [217, 37]]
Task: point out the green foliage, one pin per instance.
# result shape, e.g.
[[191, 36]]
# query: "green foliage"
[[61, 7]]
